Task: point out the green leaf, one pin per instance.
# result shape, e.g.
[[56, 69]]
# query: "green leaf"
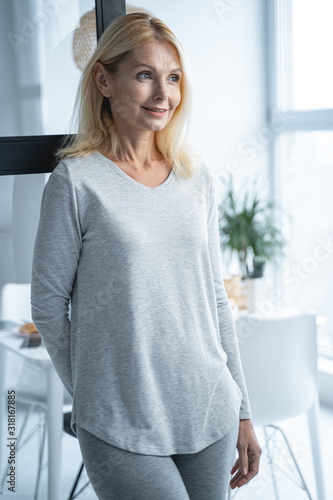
[[247, 227]]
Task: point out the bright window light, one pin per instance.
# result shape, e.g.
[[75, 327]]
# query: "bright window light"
[[311, 84]]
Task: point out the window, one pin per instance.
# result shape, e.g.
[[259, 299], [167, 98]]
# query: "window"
[[43, 47], [310, 81], [300, 83], [306, 195]]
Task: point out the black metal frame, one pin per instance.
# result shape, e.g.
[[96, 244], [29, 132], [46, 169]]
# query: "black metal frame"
[[106, 12], [28, 154], [35, 154]]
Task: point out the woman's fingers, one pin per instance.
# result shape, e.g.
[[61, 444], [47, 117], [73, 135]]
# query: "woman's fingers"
[[249, 451], [236, 480], [235, 467], [243, 460], [241, 478], [242, 464]]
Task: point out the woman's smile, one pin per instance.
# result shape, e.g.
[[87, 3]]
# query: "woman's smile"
[[156, 111]]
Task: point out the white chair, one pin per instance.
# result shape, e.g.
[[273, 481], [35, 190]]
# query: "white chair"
[[279, 359], [20, 369]]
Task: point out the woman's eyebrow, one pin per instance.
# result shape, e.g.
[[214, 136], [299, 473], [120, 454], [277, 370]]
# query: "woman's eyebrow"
[[151, 67]]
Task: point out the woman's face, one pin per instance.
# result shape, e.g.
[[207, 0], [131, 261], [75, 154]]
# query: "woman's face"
[[148, 78]]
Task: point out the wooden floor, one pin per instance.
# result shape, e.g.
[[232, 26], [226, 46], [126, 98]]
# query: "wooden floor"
[[259, 489]]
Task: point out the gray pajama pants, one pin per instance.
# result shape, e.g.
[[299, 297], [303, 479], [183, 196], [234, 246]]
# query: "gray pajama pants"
[[117, 474]]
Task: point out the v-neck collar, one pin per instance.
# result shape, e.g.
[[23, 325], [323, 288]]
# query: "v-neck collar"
[[120, 172]]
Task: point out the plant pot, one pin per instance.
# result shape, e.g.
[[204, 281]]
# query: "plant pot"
[[255, 292], [232, 285]]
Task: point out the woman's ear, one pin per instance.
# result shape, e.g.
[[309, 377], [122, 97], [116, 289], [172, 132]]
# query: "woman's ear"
[[102, 79]]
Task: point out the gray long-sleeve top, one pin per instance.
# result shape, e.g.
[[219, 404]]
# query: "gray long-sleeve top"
[[149, 350]]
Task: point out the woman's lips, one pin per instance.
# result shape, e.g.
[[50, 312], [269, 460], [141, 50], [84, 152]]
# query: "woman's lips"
[[155, 113]]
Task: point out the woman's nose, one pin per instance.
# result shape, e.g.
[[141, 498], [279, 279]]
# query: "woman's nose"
[[161, 91]]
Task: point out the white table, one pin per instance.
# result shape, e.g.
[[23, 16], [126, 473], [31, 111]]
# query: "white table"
[[55, 397]]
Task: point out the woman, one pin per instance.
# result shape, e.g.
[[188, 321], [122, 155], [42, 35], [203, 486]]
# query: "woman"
[[128, 236]]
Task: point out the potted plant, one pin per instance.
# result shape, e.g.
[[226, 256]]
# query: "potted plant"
[[247, 228]]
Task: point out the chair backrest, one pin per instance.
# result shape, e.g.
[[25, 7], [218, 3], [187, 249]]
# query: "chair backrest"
[[15, 302], [279, 359]]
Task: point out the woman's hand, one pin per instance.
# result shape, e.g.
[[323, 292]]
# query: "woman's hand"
[[247, 464]]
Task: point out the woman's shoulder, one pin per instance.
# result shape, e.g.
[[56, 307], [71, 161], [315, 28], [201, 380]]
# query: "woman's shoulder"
[[77, 167], [205, 174]]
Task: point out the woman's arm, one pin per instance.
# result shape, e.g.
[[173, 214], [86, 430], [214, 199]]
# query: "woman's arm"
[[227, 327], [55, 259], [246, 466]]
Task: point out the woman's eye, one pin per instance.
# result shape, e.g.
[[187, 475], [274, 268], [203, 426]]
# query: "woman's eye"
[[144, 74]]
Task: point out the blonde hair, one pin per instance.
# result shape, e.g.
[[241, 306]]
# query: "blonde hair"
[[92, 113]]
